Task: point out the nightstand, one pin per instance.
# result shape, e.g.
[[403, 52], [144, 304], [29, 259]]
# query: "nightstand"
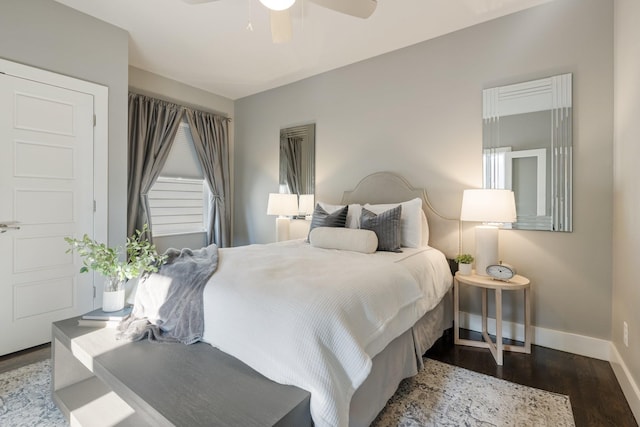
[[299, 228], [517, 283]]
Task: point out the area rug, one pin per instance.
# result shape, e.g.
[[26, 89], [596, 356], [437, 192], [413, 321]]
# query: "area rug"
[[443, 395], [25, 397], [440, 395]]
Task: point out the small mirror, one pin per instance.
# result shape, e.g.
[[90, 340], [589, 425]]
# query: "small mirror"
[[297, 159], [527, 148]]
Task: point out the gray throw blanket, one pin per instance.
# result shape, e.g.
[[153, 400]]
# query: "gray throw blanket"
[[168, 304]]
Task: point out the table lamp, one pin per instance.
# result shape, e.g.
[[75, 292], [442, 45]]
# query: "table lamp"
[[285, 206], [492, 207], [306, 205]]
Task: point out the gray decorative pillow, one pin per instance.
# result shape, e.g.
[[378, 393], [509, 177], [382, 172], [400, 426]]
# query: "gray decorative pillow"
[[386, 225], [322, 218]]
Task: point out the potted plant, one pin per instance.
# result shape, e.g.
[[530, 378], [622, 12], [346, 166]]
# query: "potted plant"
[[117, 265], [464, 263]]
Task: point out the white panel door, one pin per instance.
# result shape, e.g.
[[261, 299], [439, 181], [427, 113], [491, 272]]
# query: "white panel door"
[[46, 193]]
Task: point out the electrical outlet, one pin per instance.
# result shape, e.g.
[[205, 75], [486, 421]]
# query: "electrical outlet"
[[625, 334]]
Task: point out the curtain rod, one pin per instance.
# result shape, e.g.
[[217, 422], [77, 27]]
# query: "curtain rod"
[[173, 103]]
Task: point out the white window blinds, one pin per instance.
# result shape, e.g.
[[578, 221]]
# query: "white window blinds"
[[178, 206], [179, 198]]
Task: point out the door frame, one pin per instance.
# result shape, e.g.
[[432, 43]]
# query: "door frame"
[[100, 95]]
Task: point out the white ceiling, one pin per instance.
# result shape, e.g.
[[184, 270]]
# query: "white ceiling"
[[208, 45]]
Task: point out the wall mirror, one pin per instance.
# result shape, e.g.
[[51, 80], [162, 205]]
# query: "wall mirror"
[[527, 148], [297, 159]]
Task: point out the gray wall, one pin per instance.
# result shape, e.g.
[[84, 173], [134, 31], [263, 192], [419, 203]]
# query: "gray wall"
[[626, 232], [146, 83], [417, 112], [50, 36]]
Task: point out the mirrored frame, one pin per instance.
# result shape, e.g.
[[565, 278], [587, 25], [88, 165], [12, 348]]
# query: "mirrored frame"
[[527, 147], [297, 159]]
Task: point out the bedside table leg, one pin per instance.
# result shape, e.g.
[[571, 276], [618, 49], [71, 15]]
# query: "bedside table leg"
[[485, 330], [527, 321], [456, 312], [499, 345]]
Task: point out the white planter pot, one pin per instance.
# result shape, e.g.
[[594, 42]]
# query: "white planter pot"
[[113, 300], [113, 295], [464, 269]]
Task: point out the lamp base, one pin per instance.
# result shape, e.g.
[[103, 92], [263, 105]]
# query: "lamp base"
[[282, 229], [486, 248]]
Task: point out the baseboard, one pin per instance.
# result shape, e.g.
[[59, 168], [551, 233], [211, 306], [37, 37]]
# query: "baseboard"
[[558, 340], [626, 381]]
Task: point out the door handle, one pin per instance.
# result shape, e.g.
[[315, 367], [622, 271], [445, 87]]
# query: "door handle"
[[8, 226]]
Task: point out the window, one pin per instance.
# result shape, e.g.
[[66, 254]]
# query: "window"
[[179, 198], [178, 206]]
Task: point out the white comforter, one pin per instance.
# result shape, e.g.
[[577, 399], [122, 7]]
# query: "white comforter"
[[314, 318]]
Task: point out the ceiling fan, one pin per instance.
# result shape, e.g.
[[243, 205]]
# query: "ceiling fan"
[[281, 31]]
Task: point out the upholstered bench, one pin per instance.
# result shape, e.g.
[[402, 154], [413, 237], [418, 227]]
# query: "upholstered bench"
[[101, 381]]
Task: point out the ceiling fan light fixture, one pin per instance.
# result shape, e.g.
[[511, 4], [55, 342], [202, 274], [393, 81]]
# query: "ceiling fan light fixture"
[[278, 4]]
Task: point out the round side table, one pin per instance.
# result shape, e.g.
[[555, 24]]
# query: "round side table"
[[485, 282]]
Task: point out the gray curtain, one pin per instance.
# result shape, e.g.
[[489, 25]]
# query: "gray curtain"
[[291, 152], [152, 128], [211, 139]]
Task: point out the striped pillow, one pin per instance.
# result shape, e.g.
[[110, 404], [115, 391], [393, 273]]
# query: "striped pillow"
[[322, 218], [386, 225]]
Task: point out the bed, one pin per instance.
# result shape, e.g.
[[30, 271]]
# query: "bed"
[[344, 325], [333, 315]]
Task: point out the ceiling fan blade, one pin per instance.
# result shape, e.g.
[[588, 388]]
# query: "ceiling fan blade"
[[358, 8], [281, 31], [198, 1]]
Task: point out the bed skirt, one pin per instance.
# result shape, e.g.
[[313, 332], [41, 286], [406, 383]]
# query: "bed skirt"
[[401, 359]]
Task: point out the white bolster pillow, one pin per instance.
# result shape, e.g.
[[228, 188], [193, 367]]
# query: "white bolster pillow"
[[346, 239]]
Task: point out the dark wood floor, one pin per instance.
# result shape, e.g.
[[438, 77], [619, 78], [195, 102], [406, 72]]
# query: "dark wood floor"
[[596, 397], [24, 357]]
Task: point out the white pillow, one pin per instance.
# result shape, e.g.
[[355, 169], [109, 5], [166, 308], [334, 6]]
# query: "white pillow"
[[353, 214], [410, 221], [346, 239], [425, 229]]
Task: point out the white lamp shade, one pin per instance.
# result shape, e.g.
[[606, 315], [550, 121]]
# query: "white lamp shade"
[[282, 204], [278, 4], [306, 205], [488, 205]]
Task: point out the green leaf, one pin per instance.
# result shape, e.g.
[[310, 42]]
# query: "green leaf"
[[138, 256]]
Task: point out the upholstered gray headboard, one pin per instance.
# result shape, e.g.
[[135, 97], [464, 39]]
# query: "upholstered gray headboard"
[[389, 187], [384, 187]]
